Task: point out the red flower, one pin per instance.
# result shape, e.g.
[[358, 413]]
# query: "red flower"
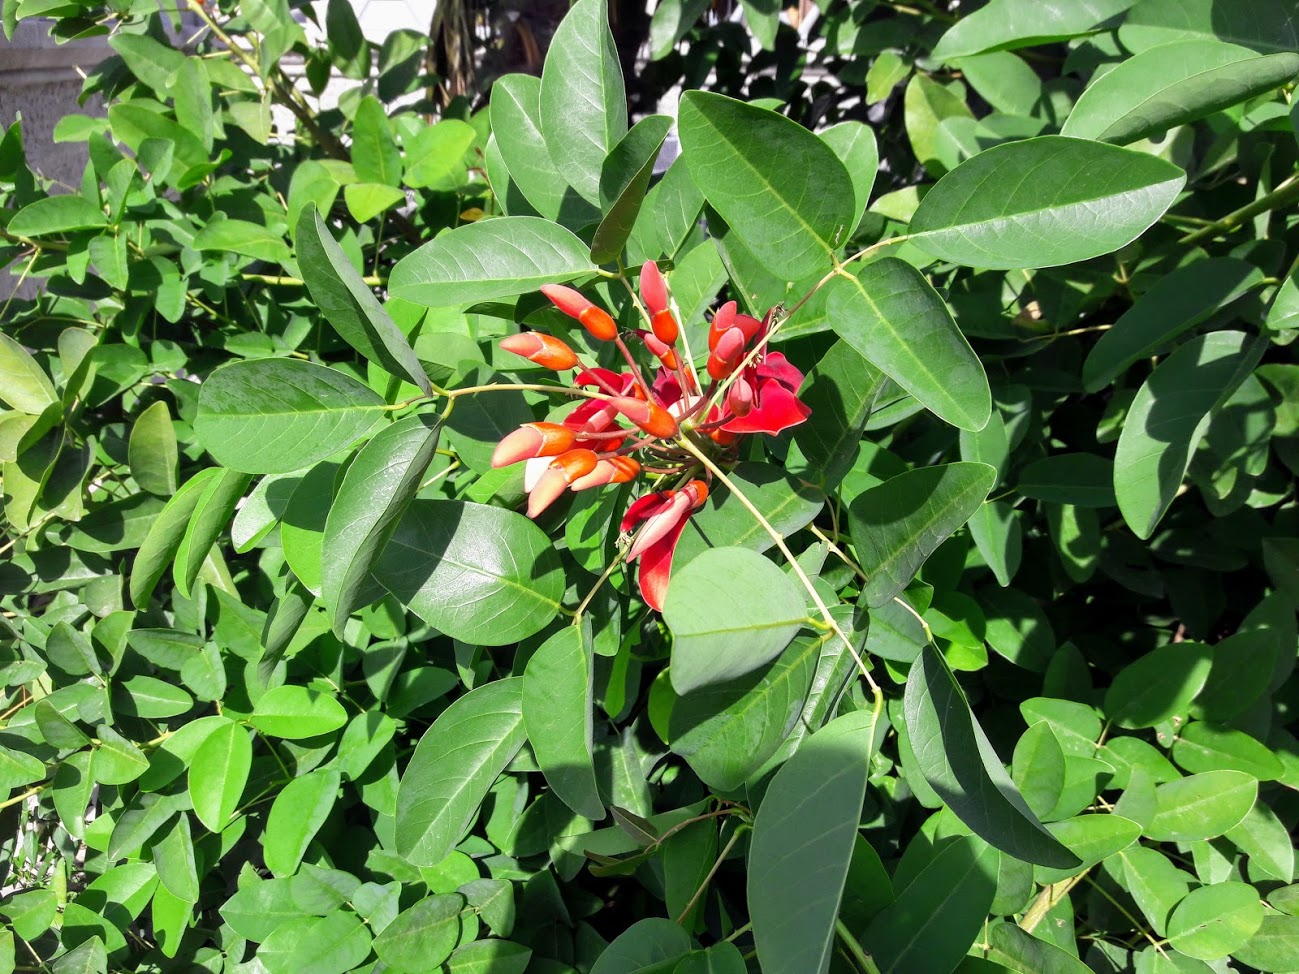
[[665, 407], [662, 517]]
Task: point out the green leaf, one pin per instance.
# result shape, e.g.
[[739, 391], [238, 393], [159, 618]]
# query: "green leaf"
[[854, 143], [927, 105], [293, 712], [349, 305], [1159, 685], [1091, 838], [1264, 25], [672, 20], [296, 816], [898, 525], [1038, 768], [435, 156], [1202, 806], [959, 763], [802, 844], [1043, 202], [376, 490], [786, 503], [1004, 80], [490, 259], [477, 573], [624, 178], [452, 768], [730, 610], [643, 947], [936, 918], [1004, 24], [1081, 479], [1275, 947], [1169, 416], [1018, 629], [348, 48], [891, 315], [23, 384], [56, 214], [152, 453], [365, 201], [218, 773], [245, 238], [323, 945], [278, 415], [207, 521], [782, 190], [422, 937], [173, 855], [840, 390], [149, 697], [489, 957], [165, 536], [1214, 921], [583, 100], [1203, 746], [1179, 83], [1022, 952], [18, 769], [374, 153], [1176, 303], [726, 731], [562, 669], [117, 760]]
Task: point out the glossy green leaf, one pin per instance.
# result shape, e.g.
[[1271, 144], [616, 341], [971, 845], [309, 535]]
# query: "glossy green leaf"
[[489, 957], [1202, 746], [1081, 479], [376, 490], [840, 390], [642, 946], [1091, 838], [854, 143], [779, 187], [1213, 921], [1176, 303], [422, 936], [56, 214], [166, 534], [1038, 768], [960, 765], [374, 153], [326, 945], [477, 573], [1167, 419], [730, 610], [453, 766], [292, 713], [1179, 83], [1275, 947], [23, 384], [802, 842], [152, 453], [1202, 806], [296, 816], [891, 315], [936, 918], [1264, 25], [245, 238], [894, 535], [562, 669], [349, 304], [490, 259], [278, 415], [624, 179], [1006, 24], [218, 773], [1024, 953], [583, 100], [726, 731], [208, 520], [1043, 202], [787, 504], [1159, 685]]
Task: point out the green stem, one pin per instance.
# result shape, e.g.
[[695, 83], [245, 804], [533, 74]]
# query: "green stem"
[[374, 280], [1285, 193], [854, 948]]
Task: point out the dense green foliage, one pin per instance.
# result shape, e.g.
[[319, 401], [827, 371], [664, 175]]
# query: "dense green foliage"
[[986, 666]]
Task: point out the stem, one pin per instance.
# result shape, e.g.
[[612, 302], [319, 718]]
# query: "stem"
[[373, 280], [775, 536], [854, 948], [1046, 901], [721, 858], [577, 616], [35, 790], [522, 387], [1285, 193]]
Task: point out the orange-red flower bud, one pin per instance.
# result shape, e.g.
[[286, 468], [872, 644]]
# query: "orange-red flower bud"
[[661, 350], [698, 490], [650, 417], [722, 323], [546, 350], [628, 468], [739, 398], [665, 326], [533, 440], [560, 474], [577, 305], [652, 288], [727, 354], [613, 470], [599, 324]]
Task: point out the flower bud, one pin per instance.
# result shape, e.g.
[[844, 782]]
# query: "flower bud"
[[653, 289], [722, 323], [739, 398], [727, 354], [576, 305], [533, 440], [660, 349], [650, 417], [545, 350], [562, 472]]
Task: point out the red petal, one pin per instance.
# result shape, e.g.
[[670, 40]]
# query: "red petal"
[[656, 567], [647, 505], [777, 409], [776, 366]]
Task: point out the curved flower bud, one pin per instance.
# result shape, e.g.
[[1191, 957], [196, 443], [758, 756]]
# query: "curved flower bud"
[[727, 354], [722, 323], [776, 409], [739, 398], [562, 472], [613, 470], [650, 417], [664, 516], [653, 289], [664, 352], [533, 440], [546, 350], [577, 305]]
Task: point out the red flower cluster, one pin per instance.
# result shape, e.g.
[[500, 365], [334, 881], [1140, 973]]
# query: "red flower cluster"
[[750, 390]]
